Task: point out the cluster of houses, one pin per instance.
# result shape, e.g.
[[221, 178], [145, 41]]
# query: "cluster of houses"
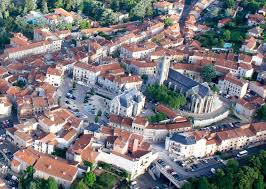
[[32, 72]]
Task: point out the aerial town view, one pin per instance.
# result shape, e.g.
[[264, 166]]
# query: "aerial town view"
[[132, 94]]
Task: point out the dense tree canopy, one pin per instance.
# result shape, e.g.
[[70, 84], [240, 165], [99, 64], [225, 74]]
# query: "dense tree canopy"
[[157, 117], [166, 96], [208, 72]]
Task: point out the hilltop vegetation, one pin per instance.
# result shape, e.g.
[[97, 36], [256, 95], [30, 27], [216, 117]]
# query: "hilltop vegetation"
[[103, 11]]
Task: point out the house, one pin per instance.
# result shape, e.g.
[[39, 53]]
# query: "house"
[[45, 144], [54, 76], [258, 59], [76, 150], [130, 152], [243, 58], [255, 19], [203, 143], [137, 52], [140, 67], [23, 159], [60, 170], [262, 11], [255, 32], [67, 16], [152, 133], [129, 103], [5, 107], [258, 88], [248, 107], [261, 76], [22, 134], [21, 47], [85, 73], [245, 70], [250, 45], [163, 6], [223, 22], [55, 120], [232, 86], [89, 73], [119, 83]]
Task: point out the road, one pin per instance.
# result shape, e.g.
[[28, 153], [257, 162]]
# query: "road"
[[185, 14]]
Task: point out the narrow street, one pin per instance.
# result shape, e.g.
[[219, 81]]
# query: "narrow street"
[[185, 14]]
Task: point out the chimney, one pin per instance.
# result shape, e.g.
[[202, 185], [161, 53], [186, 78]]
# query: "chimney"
[[49, 166]]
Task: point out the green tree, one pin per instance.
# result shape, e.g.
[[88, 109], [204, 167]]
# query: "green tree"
[[166, 96], [229, 3], [30, 5], [108, 17], [143, 8], [51, 183], [96, 119], [44, 7], [168, 22], [227, 35], [145, 78], [259, 183], [89, 179], [59, 4], [262, 113], [79, 185], [84, 24], [203, 183], [208, 72]]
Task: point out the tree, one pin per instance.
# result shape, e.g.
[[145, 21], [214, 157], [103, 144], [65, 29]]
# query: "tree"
[[262, 113], [168, 22], [208, 72], [166, 96], [108, 17], [59, 4], [44, 7], [51, 183], [143, 8], [259, 183], [30, 5], [157, 117], [203, 183], [99, 113], [84, 24], [145, 78], [229, 3], [227, 35], [228, 12], [96, 119], [89, 179], [79, 185]]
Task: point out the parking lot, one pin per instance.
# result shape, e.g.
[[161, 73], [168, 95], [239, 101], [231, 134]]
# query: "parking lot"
[[187, 168], [225, 125], [84, 101]]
